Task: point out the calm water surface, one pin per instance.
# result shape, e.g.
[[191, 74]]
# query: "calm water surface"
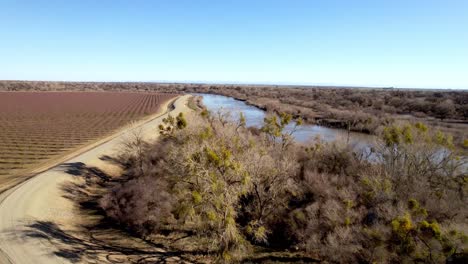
[[254, 117]]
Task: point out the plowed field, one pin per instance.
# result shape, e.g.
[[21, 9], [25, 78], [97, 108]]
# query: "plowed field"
[[38, 126]]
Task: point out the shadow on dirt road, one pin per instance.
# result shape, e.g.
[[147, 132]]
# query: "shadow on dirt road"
[[97, 238]]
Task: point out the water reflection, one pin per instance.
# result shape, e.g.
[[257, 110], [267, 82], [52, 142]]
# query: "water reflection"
[[254, 117]]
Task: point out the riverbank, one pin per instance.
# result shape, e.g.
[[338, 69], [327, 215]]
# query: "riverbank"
[[358, 126], [254, 116]]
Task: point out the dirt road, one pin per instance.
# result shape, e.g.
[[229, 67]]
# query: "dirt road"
[[40, 203]]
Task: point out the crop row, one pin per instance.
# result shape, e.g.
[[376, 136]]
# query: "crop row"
[[36, 126]]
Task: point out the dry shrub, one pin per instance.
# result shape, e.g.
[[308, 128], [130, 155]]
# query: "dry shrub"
[[238, 187], [140, 209], [409, 206]]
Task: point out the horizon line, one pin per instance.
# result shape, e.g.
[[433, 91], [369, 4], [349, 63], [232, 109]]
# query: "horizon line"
[[232, 83]]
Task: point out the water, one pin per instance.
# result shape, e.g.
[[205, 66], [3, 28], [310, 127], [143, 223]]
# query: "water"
[[254, 117]]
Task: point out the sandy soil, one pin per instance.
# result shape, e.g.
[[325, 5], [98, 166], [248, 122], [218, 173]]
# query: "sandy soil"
[[36, 216]]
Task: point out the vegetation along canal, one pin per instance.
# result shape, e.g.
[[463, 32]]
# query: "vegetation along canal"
[[254, 117]]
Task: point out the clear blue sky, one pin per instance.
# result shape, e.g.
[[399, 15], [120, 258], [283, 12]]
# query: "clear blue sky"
[[401, 43]]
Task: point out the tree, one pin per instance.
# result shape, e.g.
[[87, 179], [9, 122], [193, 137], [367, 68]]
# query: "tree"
[[134, 148], [274, 127], [171, 124], [444, 110]]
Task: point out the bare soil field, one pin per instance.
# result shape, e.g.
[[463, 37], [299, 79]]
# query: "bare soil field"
[[52, 217], [39, 126]]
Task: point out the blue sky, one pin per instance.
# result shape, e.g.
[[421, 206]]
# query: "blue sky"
[[372, 43]]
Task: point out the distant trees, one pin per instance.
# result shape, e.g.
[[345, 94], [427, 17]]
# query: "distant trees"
[[329, 106], [445, 109], [366, 99]]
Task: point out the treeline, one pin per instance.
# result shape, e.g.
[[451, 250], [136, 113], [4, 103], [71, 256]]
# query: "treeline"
[[363, 109], [358, 109], [222, 190], [443, 104]]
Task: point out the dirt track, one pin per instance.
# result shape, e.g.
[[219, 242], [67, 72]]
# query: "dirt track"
[[40, 202]]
